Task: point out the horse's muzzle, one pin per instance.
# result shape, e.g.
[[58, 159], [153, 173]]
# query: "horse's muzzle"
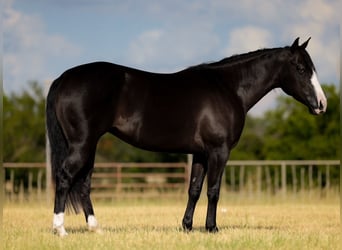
[[322, 107]]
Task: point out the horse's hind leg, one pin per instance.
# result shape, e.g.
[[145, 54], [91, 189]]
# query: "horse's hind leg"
[[89, 212], [198, 172], [69, 183], [87, 204], [64, 178]]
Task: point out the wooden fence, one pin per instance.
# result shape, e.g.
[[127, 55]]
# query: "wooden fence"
[[281, 176], [118, 180], [126, 180]]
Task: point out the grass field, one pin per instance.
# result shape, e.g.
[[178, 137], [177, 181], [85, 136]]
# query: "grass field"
[[244, 224]]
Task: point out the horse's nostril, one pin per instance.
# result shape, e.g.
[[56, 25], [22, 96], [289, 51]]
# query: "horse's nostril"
[[321, 106]]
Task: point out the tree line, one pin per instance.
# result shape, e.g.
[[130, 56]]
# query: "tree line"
[[286, 132]]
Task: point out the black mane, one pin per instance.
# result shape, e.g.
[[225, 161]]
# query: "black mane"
[[240, 58]]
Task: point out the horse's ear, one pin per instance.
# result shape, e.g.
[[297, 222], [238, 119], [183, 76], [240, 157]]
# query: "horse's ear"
[[303, 46], [295, 44]]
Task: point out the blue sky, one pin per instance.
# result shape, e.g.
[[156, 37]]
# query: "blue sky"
[[43, 38]]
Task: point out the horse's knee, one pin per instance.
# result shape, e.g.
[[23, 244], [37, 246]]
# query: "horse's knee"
[[194, 193]]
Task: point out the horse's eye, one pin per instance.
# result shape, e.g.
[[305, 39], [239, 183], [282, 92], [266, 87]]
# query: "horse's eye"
[[300, 69]]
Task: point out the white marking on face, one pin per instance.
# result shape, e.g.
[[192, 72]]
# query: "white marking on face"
[[321, 99]]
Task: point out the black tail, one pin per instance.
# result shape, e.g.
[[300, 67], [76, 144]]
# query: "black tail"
[[58, 145]]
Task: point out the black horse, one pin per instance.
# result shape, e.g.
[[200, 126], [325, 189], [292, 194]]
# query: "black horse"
[[200, 111]]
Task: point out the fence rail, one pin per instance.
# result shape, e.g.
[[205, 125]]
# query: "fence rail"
[[113, 180]]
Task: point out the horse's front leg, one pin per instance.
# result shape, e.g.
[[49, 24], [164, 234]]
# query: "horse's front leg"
[[216, 164], [198, 172]]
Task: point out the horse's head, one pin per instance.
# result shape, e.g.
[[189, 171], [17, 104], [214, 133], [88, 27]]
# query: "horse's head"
[[299, 78]]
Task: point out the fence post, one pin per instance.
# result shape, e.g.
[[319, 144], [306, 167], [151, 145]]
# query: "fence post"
[[259, 179], [302, 179], [39, 183], [249, 183], [319, 180], [119, 180], [223, 181], [268, 180], [189, 165], [21, 191], [327, 174], [232, 177], [294, 178], [310, 180], [12, 184], [241, 177], [283, 178], [187, 170], [276, 180], [30, 180]]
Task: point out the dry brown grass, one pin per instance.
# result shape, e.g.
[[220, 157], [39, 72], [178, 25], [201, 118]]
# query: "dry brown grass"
[[244, 224]]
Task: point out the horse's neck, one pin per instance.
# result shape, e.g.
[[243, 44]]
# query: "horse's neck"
[[258, 80]]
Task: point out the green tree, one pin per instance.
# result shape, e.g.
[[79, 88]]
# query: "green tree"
[[24, 125], [292, 133]]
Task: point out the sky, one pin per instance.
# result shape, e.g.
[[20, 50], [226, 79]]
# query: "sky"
[[43, 38]]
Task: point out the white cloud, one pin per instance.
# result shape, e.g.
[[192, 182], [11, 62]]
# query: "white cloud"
[[321, 11], [172, 49], [245, 39], [144, 47], [28, 48]]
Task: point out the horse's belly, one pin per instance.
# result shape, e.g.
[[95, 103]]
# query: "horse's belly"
[[155, 136]]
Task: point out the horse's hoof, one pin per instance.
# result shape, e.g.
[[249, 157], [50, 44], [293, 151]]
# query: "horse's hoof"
[[187, 227], [60, 231], [212, 229]]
